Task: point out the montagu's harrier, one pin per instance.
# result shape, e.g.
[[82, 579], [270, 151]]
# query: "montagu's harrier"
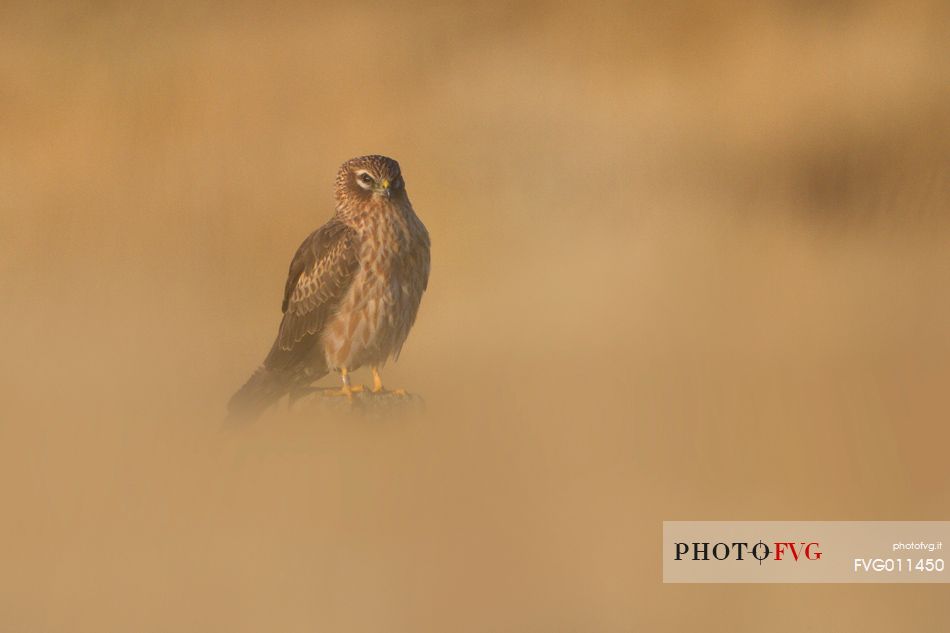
[[353, 290]]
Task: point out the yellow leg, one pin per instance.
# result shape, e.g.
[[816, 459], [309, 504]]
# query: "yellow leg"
[[348, 390], [378, 385]]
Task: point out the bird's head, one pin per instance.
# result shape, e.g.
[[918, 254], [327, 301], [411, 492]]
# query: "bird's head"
[[367, 178]]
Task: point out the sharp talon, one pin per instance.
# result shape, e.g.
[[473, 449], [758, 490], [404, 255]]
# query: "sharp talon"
[[337, 393]]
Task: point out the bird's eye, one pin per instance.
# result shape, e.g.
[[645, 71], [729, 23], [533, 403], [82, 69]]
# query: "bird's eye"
[[397, 183], [365, 178]]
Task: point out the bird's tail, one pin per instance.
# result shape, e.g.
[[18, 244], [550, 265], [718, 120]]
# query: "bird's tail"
[[262, 389]]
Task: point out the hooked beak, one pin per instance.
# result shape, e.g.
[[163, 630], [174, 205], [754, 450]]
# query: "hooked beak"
[[384, 189]]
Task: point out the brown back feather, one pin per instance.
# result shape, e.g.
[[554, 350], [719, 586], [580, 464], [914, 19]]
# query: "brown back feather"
[[320, 274]]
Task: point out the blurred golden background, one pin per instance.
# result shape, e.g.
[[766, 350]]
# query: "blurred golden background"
[[690, 261]]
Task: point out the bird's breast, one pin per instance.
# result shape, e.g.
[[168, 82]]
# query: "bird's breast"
[[374, 317]]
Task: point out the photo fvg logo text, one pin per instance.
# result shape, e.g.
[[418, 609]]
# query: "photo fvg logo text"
[[742, 550], [804, 551]]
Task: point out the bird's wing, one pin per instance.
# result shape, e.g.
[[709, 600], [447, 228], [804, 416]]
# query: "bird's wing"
[[320, 274]]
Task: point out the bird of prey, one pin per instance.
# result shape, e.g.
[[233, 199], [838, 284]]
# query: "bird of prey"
[[352, 292]]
